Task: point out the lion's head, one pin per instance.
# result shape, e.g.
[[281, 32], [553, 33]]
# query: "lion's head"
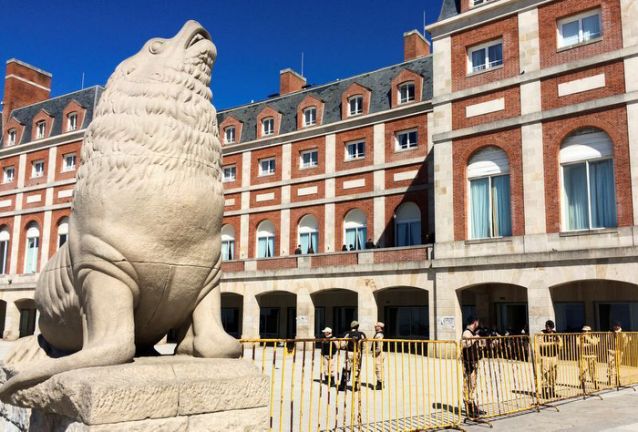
[[156, 108]]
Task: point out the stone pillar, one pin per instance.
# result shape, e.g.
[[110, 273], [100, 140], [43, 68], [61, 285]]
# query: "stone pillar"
[[305, 315], [366, 306], [250, 318], [443, 189], [539, 301], [629, 19], [448, 317], [533, 178], [12, 322]]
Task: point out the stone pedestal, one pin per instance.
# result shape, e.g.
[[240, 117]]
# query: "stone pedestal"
[[170, 393]]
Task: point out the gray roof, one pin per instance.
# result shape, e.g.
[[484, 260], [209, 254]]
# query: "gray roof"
[[450, 8], [87, 98], [379, 82]]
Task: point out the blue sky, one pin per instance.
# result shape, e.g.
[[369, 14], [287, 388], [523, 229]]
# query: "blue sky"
[[255, 39]]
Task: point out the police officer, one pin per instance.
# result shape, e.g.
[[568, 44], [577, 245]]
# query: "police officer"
[[587, 362], [549, 346], [328, 352], [353, 356], [377, 350], [471, 343]]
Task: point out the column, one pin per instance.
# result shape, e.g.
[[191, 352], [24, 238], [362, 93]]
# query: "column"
[[632, 131], [367, 306], [539, 301], [443, 188], [448, 317], [329, 208], [284, 232], [305, 315], [533, 178], [250, 318]]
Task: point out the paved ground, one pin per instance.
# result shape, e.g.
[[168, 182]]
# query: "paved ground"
[[617, 412]]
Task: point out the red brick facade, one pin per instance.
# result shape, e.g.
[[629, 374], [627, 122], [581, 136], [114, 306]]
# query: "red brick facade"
[[511, 96]]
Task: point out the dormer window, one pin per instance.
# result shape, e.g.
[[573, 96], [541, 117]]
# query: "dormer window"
[[12, 137], [40, 128], [69, 162], [229, 135], [268, 126], [310, 116], [355, 105], [406, 92], [37, 169], [71, 121]]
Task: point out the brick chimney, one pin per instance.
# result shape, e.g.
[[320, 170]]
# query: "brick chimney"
[[290, 82], [23, 85], [414, 45]]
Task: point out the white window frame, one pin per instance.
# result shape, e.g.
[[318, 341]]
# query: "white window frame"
[[268, 126], [40, 129], [407, 98], [230, 168], [35, 173], [357, 100], [12, 136], [476, 3], [66, 167], [487, 65], [357, 155], [579, 17], [410, 146], [71, 121], [310, 116], [311, 164], [270, 171], [5, 174], [229, 135]]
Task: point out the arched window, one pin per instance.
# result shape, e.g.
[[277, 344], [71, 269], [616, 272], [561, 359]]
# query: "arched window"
[[489, 194], [308, 234], [356, 231], [228, 243], [407, 225], [4, 250], [63, 231], [589, 192], [265, 239], [32, 248]]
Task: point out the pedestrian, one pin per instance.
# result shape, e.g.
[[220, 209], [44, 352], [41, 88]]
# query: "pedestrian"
[[329, 351], [369, 244], [549, 345], [587, 357], [377, 350], [344, 248], [617, 344], [351, 248], [353, 355], [298, 250], [471, 343]]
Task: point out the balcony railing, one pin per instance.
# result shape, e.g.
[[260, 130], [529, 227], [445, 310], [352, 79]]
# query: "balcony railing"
[[420, 253]]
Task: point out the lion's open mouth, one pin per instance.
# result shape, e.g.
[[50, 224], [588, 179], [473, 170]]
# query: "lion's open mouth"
[[198, 36]]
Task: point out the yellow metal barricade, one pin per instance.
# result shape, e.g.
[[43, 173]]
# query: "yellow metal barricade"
[[627, 347], [572, 365], [498, 376], [372, 385]]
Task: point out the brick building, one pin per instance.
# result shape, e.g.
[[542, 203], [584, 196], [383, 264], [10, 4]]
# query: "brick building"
[[495, 177]]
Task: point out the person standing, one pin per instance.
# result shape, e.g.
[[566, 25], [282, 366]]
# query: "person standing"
[[328, 352], [353, 356], [377, 350], [471, 344], [617, 345], [549, 345], [587, 353]]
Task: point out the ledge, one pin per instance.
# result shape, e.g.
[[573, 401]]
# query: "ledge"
[[588, 232]]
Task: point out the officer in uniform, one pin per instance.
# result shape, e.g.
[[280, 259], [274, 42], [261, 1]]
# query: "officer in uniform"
[[353, 356], [549, 346], [587, 362], [377, 350], [471, 343], [328, 352]]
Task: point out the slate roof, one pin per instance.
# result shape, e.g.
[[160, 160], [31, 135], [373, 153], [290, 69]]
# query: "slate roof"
[[450, 8], [55, 106], [379, 82]]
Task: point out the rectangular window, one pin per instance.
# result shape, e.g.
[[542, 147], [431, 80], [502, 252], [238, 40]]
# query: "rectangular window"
[[69, 162], [589, 195], [230, 173], [71, 121], [310, 116], [406, 92], [8, 173], [355, 105], [229, 135], [490, 214], [406, 140], [266, 166], [355, 150], [4, 255], [228, 250], [37, 169], [265, 246], [11, 139], [485, 56], [30, 265], [309, 158], [579, 29], [268, 126], [39, 129]]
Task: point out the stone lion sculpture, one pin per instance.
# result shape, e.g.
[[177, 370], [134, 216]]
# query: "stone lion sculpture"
[[143, 255]]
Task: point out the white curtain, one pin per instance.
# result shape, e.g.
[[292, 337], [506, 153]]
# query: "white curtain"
[[501, 212], [228, 250], [603, 195], [265, 247], [575, 185], [480, 203]]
